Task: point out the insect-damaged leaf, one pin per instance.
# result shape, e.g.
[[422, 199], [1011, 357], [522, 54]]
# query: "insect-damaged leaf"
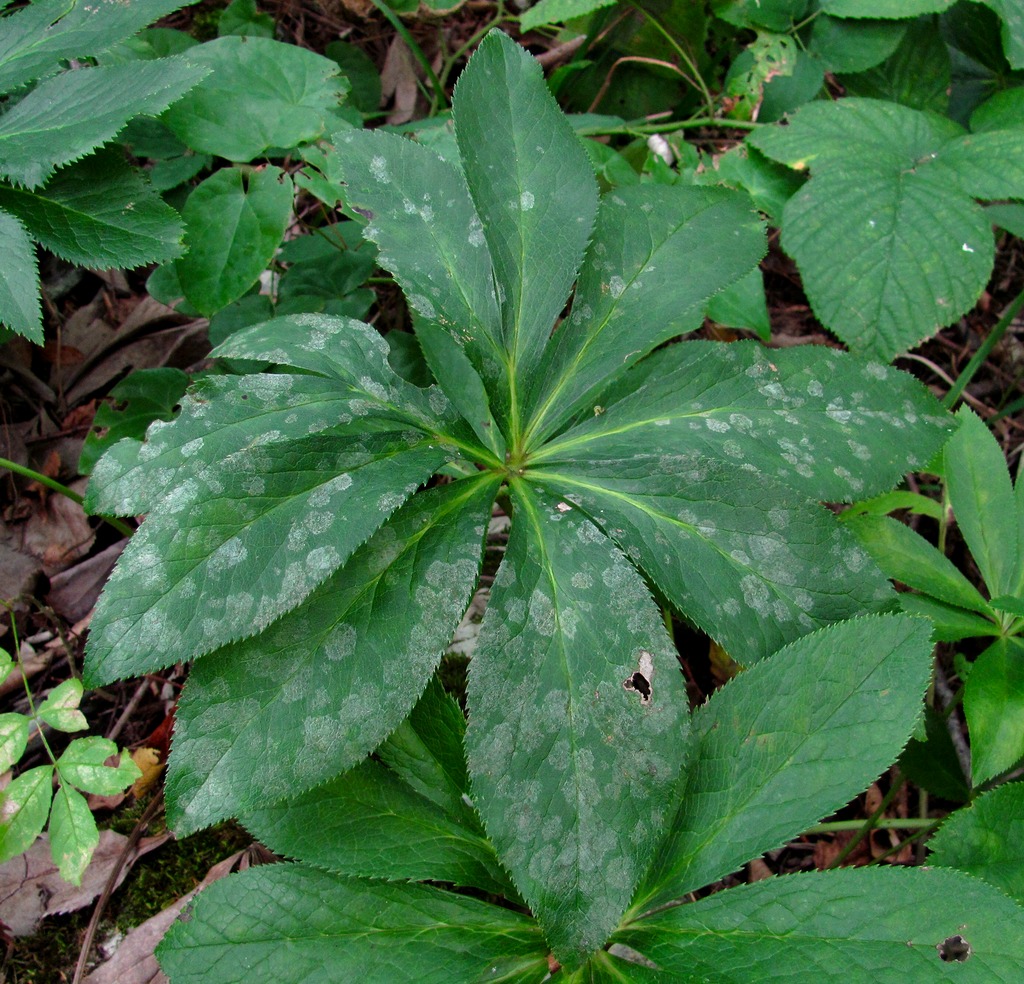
[[577, 713]]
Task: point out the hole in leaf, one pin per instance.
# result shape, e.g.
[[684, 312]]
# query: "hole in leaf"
[[639, 681], [954, 949], [364, 212]]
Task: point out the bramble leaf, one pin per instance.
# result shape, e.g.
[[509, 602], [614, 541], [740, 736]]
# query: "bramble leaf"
[[65, 117], [884, 264], [259, 94]]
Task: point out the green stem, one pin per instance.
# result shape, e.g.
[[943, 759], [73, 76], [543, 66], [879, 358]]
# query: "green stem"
[[52, 483], [883, 823], [395, 21], [864, 827], [698, 79], [452, 59], [979, 357]]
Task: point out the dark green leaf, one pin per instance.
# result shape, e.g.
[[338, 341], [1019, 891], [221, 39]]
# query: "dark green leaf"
[[982, 498], [19, 280], [297, 924], [884, 926], [932, 763], [98, 213], [577, 716], [853, 45], [233, 225], [66, 116], [986, 839], [884, 263], [765, 747], [37, 37], [994, 705]]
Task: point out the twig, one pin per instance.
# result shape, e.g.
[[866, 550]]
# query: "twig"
[[155, 805]]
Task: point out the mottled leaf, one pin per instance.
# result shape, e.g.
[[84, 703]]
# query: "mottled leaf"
[[577, 714], [325, 685], [750, 568], [73, 833], [266, 525], [827, 424], [534, 191], [24, 807], [631, 297]]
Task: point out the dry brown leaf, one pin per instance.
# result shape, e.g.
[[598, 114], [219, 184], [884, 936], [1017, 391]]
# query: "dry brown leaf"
[[58, 532], [398, 80], [31, 888], [150, 763]]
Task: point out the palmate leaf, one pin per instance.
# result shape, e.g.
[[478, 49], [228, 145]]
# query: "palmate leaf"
[[353, 386], [748, 567], [769, 751], [36, 38], [577, 714], [266, 525], [889, 240], [412, 197], [298, 924], [327, 683], [828, 425], [837, 927], [65, 117]]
